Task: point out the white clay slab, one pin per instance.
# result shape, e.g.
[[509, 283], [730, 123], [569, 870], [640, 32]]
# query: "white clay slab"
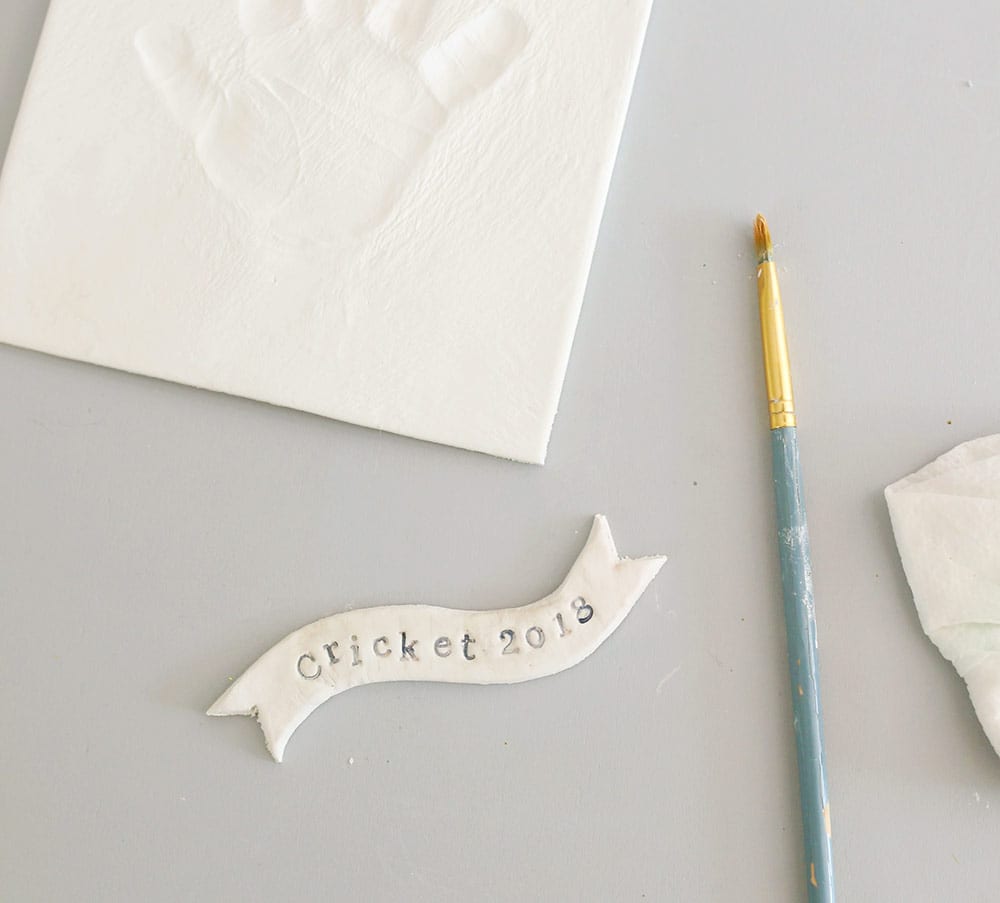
[[946, 518], [382, 211], [422, 642]]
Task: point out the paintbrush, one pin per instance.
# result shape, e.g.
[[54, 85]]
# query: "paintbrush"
[[796, 577]]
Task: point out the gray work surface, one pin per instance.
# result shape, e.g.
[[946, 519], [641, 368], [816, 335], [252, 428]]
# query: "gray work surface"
[[155, 538]]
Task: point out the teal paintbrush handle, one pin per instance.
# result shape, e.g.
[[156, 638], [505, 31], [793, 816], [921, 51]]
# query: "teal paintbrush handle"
[[800, 624]]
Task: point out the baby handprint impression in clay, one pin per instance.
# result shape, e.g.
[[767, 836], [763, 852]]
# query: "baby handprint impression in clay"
[[314, 118]]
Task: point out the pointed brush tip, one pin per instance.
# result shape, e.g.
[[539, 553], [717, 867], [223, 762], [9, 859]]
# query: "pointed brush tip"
[[762, 238]]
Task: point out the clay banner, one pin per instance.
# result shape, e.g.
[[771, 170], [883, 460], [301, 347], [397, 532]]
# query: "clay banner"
[[424, 642]]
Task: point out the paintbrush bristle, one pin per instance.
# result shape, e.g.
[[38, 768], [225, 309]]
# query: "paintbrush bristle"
[[762, 239]]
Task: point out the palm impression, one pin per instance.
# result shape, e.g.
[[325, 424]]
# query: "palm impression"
[[316, 115]]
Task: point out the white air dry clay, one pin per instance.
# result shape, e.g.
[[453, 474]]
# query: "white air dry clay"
[[382, 212], [426, 643], [946, 518]]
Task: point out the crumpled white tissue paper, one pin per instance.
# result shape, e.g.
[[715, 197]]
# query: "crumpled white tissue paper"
[[946, 518]]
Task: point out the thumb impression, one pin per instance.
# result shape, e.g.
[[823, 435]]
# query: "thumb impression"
[[473, 56], [173, 68]]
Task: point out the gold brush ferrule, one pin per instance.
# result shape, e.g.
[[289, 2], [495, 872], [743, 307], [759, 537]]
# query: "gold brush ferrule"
[[777, 369]]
